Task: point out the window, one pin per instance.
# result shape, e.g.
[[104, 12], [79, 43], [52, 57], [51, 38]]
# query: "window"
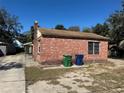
[[90, 47], [93, 47], [96, 48]]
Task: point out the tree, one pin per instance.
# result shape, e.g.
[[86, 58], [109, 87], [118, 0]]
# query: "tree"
[[101, 29], [60, 27], [9, 26], [86, 30], [74, 28], [22, 38], [32, 32], [28, 36], [116, 23]]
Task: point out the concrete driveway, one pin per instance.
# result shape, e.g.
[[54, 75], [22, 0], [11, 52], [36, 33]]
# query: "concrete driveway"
[[12, 77]]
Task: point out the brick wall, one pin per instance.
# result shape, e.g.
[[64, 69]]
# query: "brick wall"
[[36, 55], [53, 49]]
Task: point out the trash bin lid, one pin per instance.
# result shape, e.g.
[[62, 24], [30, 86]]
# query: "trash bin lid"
[[66, 55], [79, 55]]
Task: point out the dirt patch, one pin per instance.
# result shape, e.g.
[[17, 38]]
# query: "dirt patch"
[[53, 81], [78, 80], [73, 91], [93, 78], [108, 81], [67, 87]]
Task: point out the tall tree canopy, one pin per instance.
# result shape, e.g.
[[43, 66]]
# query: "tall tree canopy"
[[74, 28], [116, 23], [30, 35], [60, 27], [101, 29], [9, 26], [86, 29]]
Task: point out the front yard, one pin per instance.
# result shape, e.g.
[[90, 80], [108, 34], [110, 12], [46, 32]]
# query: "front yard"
[[90, 78]]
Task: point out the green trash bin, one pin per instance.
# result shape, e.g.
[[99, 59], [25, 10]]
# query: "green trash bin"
[[67, 60]]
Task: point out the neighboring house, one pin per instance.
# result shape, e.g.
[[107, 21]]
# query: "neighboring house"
[[3, 50], [7, 49], [49, 45], [15, 47], [28, 47], [11, 50]]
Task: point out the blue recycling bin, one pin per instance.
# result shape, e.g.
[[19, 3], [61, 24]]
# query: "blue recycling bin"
[[79, 59]]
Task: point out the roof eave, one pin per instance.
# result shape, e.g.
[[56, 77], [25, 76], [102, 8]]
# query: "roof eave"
[[66, 37]]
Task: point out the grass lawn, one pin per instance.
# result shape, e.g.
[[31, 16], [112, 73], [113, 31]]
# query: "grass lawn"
[[34, 74], [96, 78]]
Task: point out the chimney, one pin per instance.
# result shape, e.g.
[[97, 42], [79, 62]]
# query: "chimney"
[[36, 25]]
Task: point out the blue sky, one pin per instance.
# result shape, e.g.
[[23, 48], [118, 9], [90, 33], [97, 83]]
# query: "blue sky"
[[83, 13]]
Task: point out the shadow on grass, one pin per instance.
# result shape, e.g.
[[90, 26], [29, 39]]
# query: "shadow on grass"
[[34, 74]]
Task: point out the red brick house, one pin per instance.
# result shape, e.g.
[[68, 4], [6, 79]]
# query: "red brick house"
[[49, 45]]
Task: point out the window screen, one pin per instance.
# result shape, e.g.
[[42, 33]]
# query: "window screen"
[[96, 48], [93, 47], [90, 47]]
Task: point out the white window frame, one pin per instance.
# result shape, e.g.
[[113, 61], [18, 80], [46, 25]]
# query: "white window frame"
[[93, 47]]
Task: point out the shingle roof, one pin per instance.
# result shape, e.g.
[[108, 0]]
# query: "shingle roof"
[[70, 34]]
